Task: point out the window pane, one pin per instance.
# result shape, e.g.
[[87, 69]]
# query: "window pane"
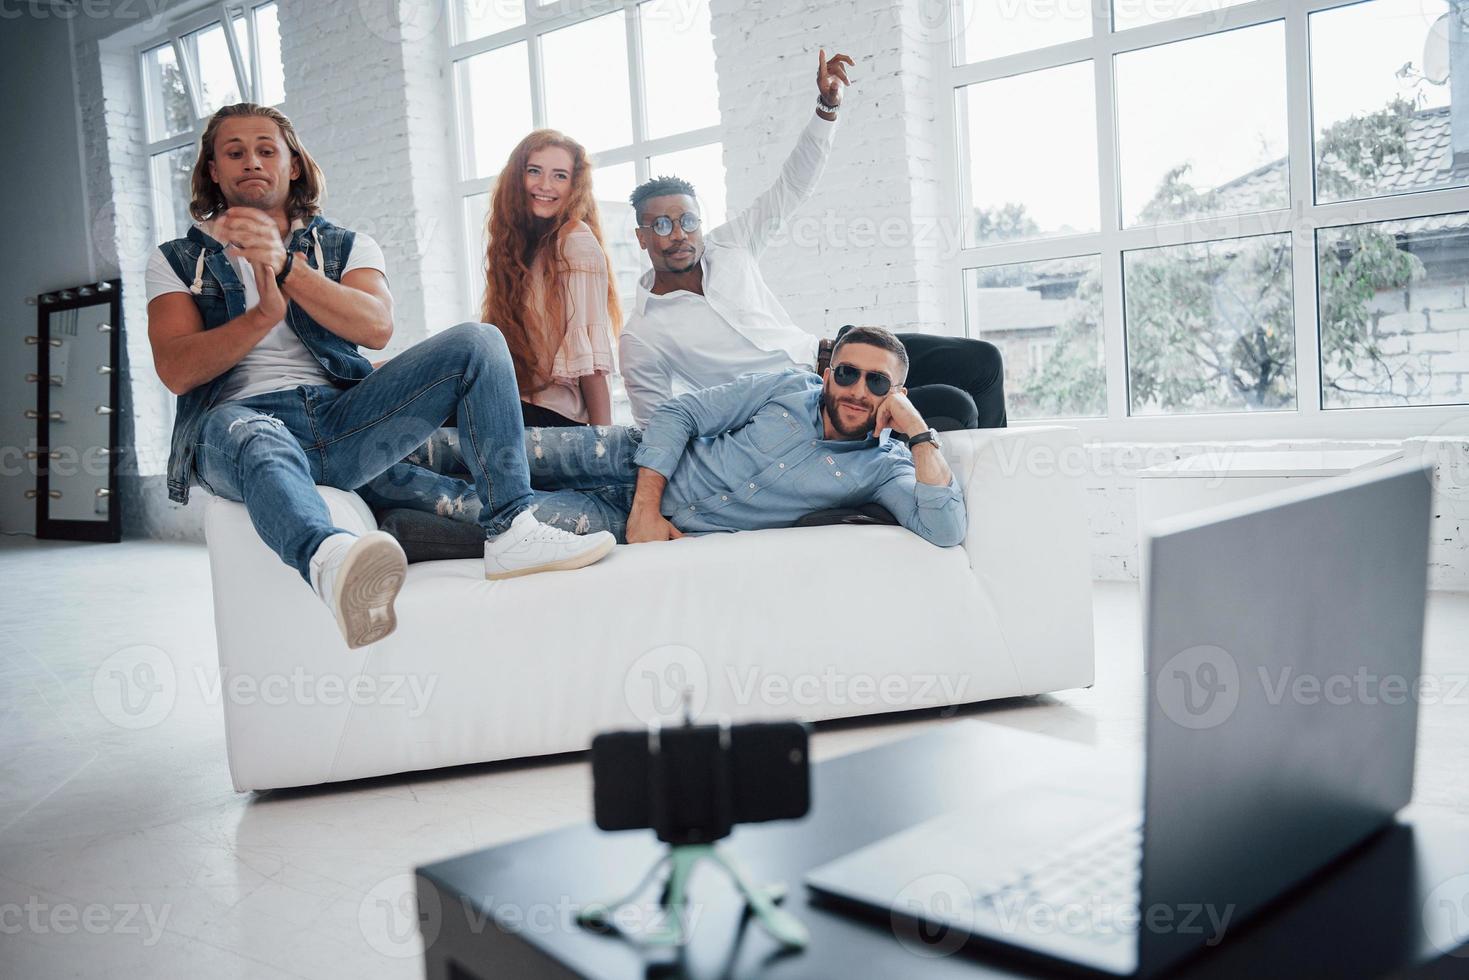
[[990, 29], [171, 192], [1380, 99], [1210, 326], [1136, 13], [216, 71], [1201, 127], [169, 112], [1394, 320], [1030, 174], [702, 166], [679, 96], [612, 186], [598, 116], [1046, 318], [494, 102], [478, 18], [476, 213], [268, 37]]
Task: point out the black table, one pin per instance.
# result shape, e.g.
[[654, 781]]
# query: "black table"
[[509, 911]]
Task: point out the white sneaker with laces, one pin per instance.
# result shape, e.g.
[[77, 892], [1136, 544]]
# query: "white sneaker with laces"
[[528, 546], [358, 578]]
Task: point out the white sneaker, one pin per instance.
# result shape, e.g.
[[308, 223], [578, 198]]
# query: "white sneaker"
[[358, 578], [528, 546]]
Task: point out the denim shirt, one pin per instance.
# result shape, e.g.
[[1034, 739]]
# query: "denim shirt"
[[221, 298], [753, 454]]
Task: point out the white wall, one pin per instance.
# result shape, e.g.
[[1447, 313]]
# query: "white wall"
[[1111, 480], [45, 243], [863, 249]]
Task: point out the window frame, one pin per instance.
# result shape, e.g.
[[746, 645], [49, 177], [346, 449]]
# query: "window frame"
[[247, 76], [1302, 220], [540, 21]]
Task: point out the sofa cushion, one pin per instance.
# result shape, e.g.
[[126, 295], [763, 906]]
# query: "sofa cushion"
[[866, 514], [429, 537]]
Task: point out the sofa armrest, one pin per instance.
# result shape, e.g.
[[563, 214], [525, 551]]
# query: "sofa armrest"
[[1028, 542], [269, 624]]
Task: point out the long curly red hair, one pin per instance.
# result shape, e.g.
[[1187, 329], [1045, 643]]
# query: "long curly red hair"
[[516, 239]]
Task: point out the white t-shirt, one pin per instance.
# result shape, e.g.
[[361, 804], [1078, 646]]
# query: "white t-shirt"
[[280, 360]]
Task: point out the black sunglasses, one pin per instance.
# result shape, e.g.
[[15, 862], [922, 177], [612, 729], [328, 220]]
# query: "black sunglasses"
[[846, 375], [663, 224]]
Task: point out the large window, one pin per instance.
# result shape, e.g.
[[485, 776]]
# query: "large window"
[[631, 80], [189, 75], [1179, 213]]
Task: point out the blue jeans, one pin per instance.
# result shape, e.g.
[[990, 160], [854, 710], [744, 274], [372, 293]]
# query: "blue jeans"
[[271, 450], [583, 477]]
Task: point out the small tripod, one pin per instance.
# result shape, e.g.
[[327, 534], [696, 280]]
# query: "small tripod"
[[692, 803], [670, 928]]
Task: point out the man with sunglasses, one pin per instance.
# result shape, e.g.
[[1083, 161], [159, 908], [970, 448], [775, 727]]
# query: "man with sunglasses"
[[758, 452], [704, 314]]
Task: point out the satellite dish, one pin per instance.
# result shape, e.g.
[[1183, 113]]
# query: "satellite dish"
[[1436, 52]]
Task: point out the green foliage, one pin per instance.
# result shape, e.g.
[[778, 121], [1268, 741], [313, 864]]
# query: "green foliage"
[[177, 113], [1073, 379], [1352, 266], [1005, 223], [1211, 325], [1353, 154], [1177, 200]]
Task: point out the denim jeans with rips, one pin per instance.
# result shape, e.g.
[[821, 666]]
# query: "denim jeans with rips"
[[270, 450], [583, 477]]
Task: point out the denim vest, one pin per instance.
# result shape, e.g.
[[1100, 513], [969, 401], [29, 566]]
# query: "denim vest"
[[221, 297]]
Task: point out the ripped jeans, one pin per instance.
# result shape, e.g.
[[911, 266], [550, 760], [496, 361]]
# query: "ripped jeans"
[[583, 478], [271, 450]]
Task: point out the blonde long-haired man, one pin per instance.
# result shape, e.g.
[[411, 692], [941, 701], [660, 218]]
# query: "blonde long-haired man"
[[256, 317]]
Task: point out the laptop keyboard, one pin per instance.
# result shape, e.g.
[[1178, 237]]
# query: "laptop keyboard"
[[1098, 873]]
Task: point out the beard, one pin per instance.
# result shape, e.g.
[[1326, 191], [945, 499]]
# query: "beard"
[[829, 402], [693, 262]]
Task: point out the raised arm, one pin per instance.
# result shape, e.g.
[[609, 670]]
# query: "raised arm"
[[755, 226]]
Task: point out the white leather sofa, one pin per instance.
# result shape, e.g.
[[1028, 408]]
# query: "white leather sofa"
[[809, 623]]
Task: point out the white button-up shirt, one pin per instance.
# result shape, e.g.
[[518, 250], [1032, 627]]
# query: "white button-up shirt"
[[737, 326]]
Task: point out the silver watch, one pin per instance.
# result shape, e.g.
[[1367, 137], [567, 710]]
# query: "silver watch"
[[927, 436]]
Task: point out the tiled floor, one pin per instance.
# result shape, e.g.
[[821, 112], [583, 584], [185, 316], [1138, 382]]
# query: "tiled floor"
[[125, 852]]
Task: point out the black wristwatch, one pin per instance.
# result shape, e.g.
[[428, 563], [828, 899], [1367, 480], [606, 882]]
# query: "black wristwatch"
[[926, 436], [280, 279]]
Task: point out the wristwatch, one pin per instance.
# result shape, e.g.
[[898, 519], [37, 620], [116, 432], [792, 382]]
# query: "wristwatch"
[[280, 279], [928, 436]]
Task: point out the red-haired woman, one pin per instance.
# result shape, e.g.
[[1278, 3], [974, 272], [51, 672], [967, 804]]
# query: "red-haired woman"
[[548, 284]]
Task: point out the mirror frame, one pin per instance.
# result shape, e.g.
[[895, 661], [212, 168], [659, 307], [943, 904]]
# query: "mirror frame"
[[110, 529]]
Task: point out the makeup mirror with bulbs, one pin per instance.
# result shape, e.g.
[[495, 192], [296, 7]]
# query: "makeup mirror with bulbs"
[[78, 343]]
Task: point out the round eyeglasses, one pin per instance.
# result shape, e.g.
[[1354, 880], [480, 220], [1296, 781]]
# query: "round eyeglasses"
[[663, 224]]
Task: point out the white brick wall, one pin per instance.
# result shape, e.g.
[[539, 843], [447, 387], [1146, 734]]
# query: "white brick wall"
[[368, 96], [852, 254], [1111, 497], [122, 238]]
